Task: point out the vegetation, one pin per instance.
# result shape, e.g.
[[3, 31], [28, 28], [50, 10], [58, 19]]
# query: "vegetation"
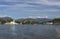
[[56, 21], [2, 21], [17, 22], [9, 20], [28, 21], [5, 20]]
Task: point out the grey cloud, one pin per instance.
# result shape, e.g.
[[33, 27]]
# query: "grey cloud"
[[28, 5], [54, 0]]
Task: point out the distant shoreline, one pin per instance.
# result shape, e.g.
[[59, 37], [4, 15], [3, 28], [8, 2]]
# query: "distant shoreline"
[[30, 21], [30, 24]]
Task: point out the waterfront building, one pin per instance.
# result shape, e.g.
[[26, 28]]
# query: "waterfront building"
[[12, 22]]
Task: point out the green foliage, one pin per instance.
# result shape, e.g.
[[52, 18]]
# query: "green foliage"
[[30, 22], [17, 22], [10, 20], [27, 22], [4, 20], [56, 21]]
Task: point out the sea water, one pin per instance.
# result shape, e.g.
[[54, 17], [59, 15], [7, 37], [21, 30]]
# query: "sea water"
[[29, 31]]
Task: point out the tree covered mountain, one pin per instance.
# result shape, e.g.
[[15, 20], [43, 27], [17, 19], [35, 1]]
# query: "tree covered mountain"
[[37, 19], [5, 19], [32, 20]]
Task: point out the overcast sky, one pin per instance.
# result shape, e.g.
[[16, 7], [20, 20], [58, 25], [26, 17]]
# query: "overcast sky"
[[19, 8]]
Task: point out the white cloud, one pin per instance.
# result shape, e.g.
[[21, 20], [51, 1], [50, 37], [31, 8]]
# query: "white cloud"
[[4, 15], [46, 2], [21, 6], [16, 6], [9, 0], [50, 10]]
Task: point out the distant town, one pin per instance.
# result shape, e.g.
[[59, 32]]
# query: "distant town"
[[29, 20]]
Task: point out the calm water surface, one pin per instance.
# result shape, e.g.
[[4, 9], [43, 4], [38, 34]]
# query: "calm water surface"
[[29, 31]]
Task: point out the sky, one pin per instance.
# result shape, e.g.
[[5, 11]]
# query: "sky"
[[21, 8]]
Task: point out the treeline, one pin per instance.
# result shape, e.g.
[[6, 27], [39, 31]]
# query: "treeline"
[[56, 21], [27, 22], [4, 20], [53, 21]]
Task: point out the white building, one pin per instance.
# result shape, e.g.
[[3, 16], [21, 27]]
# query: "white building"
[[13, 22], [49, 23]]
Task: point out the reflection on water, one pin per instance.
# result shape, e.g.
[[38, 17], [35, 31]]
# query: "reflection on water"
[[12, 28], [29, 31]]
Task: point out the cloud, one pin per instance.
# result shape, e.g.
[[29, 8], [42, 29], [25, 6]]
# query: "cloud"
[[48, 2], [29, 7], [8, 0], [26, 8], [50, 10], [44, 2], [30, 4], [54, 0]]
